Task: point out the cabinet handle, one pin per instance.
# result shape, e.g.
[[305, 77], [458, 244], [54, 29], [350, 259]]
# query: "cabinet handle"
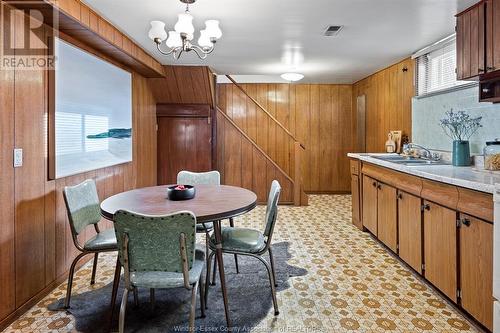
[[427, 207], [379, 186], [466, 222], [490, 68], [400, 196], [374, 184]]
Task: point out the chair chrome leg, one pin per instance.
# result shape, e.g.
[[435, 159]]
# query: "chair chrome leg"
[[271, 259], [136, 297], [70, 279], [152, 298], [202, 297], [94, 268], [123, 308], [192, 313], [271, 281], [214, 272], [207, 248], [207, 277], [231, 224]]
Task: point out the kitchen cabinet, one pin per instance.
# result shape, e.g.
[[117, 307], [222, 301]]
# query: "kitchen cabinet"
[[356, 216], [471, 29], [492, 35], [410, 230], [387, 223], [440, 248], [476, 268], [478, 40], [369, 214]]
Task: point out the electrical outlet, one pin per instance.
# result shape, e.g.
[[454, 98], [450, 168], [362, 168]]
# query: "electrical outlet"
[[18, 157]]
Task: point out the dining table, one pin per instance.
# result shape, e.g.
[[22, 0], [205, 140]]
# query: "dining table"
[[211, 203]]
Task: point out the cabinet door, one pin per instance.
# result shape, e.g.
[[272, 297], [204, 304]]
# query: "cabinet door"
[[369, 215], [410, 230], [356, 213], [476, 274], [471, 28], [492, 35], [387, 216], [440, 248]]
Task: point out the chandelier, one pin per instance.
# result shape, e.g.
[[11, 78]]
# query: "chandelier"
[[180, 39]]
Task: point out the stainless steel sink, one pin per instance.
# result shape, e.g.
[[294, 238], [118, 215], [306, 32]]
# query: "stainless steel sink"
[[408, 160]]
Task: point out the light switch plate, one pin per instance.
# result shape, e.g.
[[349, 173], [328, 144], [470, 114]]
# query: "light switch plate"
[[18, 157]]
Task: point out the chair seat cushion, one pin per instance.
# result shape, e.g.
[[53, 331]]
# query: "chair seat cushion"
[[204, 227], [156, 279], [241, 240], [105, 240]]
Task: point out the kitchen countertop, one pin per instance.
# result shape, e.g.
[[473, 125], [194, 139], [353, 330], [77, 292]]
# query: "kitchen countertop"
[[468, 177]]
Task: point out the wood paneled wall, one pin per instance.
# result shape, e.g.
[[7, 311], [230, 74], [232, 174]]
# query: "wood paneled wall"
[[388, 102], [242, 164], [320, 116], [184, 85], [36, 248]]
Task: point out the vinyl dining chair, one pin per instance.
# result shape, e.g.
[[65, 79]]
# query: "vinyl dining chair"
[[251, 242], [159, 252], [204, 178], [82, 205]]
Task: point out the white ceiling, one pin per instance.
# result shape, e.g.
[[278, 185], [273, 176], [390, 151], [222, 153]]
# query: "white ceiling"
[[263, 37]]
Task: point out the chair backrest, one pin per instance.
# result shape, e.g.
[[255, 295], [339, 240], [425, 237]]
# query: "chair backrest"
[[82, 204], [154, 241], [272, 208], [198, 178]]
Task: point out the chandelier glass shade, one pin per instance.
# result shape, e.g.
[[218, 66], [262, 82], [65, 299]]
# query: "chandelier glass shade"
[[180, 39]]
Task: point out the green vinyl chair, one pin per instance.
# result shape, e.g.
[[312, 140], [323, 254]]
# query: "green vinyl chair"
[[251, 242], [82, 205], [159, 252], [204, 178]]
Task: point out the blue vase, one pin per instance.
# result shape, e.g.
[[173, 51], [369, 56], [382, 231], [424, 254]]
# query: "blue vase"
[[461, 153]]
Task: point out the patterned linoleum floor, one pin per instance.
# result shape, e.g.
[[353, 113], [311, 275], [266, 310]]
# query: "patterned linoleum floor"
[[352, 284]]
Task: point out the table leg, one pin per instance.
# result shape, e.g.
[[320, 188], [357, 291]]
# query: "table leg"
[[116, 283], [218, 246]]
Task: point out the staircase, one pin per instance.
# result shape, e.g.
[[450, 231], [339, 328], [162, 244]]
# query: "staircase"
[[254, 147]]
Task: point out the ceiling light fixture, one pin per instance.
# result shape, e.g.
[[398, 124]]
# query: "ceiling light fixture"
[[292, 76], [180, 39]]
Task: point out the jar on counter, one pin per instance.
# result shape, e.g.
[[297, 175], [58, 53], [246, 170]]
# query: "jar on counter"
[[492, 155]]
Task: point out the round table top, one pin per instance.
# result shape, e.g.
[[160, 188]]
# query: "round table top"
[[211, 202]]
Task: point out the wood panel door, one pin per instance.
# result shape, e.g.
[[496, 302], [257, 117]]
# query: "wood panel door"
[[184, 143], [476, 264], [387, 227], [369, 215], [471, 28], [493, 35], [356, 204], [410, 230], [440, 248]]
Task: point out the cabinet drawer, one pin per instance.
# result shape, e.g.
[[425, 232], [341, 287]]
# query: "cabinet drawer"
[[443, 194], [475, 203]]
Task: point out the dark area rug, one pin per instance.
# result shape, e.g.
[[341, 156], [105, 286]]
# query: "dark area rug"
[[249, 296]]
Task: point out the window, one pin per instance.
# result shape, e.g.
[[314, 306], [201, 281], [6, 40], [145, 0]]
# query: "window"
[[436, 66]]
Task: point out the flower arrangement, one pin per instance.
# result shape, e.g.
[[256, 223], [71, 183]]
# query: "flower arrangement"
[[459, 126]]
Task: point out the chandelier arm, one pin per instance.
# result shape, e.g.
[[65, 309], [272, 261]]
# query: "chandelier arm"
[[199, 52], [165, 52], [178, 55], [204, 51]]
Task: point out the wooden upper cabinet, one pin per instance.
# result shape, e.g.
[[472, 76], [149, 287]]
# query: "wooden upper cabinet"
[[471, 28], [440, 248], [492, 35], [369, 203], [476, 268], [387, 223], [410, 230]]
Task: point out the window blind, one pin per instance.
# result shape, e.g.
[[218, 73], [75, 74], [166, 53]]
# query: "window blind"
[[436, 69]]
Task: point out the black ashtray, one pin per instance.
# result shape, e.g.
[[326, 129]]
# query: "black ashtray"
[[180, 192]]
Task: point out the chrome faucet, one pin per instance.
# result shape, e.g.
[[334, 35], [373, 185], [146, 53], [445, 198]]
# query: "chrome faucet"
[[427, 154]]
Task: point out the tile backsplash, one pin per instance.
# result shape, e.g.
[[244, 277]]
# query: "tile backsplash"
[[427, 111]]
